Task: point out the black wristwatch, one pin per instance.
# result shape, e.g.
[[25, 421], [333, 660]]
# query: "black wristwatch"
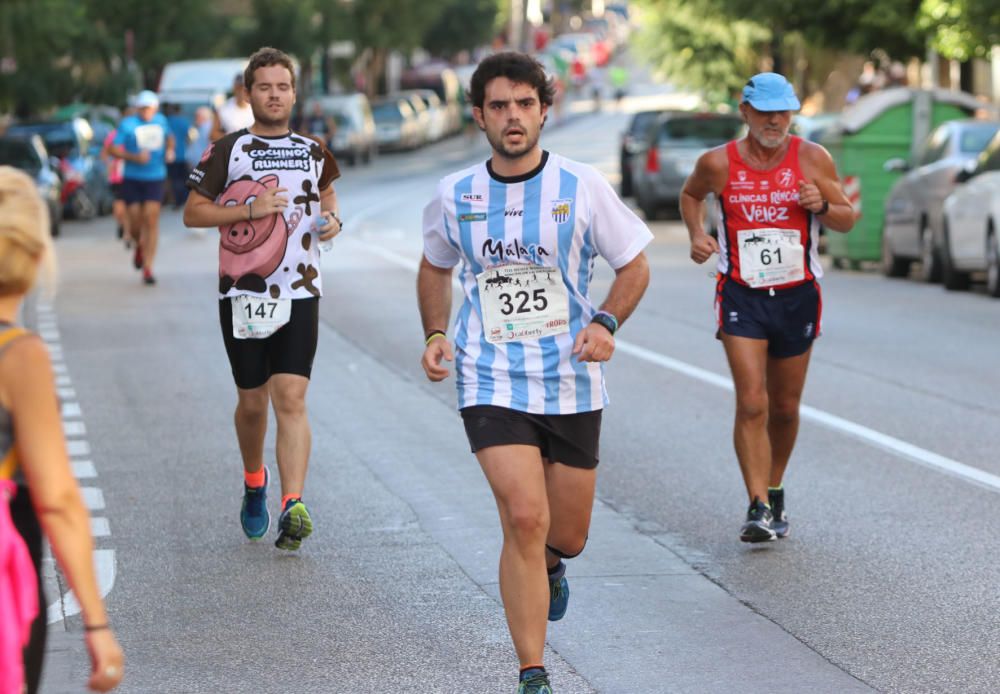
[[607, 320], [824, 209]]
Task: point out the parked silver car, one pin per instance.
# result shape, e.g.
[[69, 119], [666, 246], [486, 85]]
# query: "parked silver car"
[[971, 238], [353, 139], [913, 208], [396, 125], [667, 158]]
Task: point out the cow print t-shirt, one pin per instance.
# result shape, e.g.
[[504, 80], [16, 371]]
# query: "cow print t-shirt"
[[274, 256]]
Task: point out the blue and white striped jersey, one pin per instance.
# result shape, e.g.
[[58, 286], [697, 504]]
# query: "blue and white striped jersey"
[[562, 215]]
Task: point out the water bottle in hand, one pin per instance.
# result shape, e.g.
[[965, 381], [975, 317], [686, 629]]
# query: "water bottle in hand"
[[324, 246]]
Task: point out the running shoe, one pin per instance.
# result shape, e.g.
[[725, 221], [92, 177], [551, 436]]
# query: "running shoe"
[[558, 593], [137, 257], [776, 497], [294, 525], [253, 514], [147, 277], [758, 524], [534, 681]]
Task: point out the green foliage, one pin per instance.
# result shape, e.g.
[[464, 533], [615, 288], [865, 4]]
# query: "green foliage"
[[701, 50], [462, 25], [962, 29]]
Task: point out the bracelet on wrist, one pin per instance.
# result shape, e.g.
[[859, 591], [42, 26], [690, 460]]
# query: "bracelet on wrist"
[[434, 334], [824, 209], [607, 320], [95, 627]]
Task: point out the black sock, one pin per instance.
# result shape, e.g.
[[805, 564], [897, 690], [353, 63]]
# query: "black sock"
[[556, 568]]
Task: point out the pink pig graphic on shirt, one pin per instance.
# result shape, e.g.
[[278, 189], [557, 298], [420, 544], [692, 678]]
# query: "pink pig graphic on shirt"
[[250, 251]]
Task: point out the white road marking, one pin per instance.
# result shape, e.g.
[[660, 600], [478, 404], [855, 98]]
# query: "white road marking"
[[74, 427], [83, 469], [99, 527], [93, 498], [77, 447], [67, 606], [901, 448]]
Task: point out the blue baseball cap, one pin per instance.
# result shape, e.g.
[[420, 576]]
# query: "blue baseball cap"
[[769, 91]]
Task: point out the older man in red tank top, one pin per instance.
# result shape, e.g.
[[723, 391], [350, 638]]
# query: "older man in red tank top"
[[774, 191]]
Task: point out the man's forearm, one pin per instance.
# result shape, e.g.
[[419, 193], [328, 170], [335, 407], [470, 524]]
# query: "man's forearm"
[[627, 289], [208, 214], [434, 296]]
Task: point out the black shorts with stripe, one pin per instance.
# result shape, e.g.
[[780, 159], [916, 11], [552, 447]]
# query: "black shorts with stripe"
[[789, 319]]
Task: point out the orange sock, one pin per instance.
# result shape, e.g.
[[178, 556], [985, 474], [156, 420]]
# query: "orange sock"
[[286, 497], [254, 479]]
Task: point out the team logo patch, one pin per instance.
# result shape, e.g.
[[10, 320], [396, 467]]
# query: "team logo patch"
[[742, 175], [562, 210], [472, 217], [472, 197], [786, 177]]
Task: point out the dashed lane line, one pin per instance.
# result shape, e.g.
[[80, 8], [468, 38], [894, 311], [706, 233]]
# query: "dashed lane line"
[[78, 449]]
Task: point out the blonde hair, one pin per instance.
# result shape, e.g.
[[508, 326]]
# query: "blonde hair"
[[25, 243]]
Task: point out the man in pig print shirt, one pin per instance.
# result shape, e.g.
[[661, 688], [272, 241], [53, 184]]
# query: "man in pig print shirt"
[[269, 191]]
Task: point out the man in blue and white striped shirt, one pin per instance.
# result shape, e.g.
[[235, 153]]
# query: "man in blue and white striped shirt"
[[529, 346]]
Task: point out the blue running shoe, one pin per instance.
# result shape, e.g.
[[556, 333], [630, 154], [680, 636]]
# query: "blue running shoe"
[[534, 681], [294, 525], [558, 593], [253, 514]]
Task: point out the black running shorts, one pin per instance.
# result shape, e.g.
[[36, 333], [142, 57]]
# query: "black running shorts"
[[570, 439], [290, 350], [789, 319]]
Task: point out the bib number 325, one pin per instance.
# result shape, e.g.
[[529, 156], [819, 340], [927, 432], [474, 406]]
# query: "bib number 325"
[[523, 301]]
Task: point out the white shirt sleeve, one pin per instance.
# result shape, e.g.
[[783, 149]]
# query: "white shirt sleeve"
[[619, 234], [438, 250]]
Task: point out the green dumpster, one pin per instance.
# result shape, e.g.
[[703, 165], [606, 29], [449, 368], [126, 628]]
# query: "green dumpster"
[[877, 127]]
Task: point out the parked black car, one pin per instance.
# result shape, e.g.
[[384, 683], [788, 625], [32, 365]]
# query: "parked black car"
[[28, 154], [633, 140]]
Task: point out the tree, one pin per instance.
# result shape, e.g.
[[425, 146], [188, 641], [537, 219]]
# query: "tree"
[[698, 48], [41, 44], [462, 25], [380, 26], [962, 29]]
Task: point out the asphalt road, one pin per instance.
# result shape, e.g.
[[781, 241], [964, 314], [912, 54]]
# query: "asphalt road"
[[889, 581]]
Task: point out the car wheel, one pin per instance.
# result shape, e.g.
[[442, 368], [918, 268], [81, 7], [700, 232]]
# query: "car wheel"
[[930, 257], [953, 279], [892, 264], [649, 208], [992, 264]]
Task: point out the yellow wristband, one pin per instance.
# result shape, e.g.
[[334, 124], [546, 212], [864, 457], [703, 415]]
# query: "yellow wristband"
[[435, 333]]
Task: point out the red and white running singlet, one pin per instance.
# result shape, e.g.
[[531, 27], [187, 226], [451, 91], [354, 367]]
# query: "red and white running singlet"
[[767, 240]]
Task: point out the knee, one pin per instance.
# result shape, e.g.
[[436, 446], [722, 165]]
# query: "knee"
[[784, 410], [752, 406], [251, 407], [527, 523], [289, 405]]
